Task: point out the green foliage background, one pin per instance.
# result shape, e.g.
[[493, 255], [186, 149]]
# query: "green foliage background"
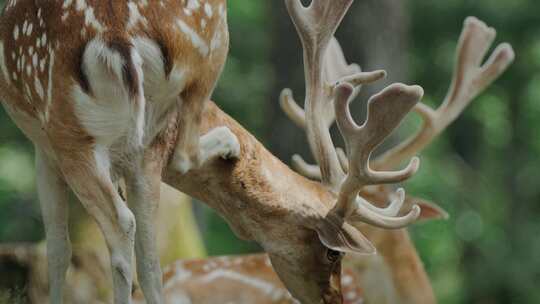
[[484, 170]]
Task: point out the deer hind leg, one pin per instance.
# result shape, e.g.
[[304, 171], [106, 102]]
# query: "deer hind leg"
[[88, 174], [53, 196], [192, 150], [219, 143], [191, 106], [143, 190]]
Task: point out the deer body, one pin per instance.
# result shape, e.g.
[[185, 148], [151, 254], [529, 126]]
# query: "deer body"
[[236, 279], [92, 83]]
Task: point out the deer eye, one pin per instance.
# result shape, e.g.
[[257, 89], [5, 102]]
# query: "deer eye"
[[332, 255]]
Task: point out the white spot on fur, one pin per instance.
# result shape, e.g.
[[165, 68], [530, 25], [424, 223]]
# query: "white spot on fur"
[[221, 10], [29, 29], [193, 4], [217, 40], [267, 262], [135, 16], [65, 15], [16, 32], [195, 39], [89, 17], [39, 88], [42, 63], [208, 10], [351, 296], [11, 4], [44, 39], [347, 280], [25, 25], [67, 3]]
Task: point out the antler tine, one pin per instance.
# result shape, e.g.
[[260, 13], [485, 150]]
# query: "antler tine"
[[386, 110], [336, 70], [292, 109], [336, 66], [469, 80], [393, 209], [305, 169]]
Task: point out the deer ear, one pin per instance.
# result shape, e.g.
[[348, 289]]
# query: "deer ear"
[[430, 211], [341, 236]]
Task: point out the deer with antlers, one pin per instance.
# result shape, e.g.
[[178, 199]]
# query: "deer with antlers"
[[404, 277], [87, 132]]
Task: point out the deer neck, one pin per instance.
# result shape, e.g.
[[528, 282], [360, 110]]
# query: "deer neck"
[[255, 192]]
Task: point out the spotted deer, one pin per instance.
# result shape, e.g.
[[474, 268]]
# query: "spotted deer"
[[277, 206], [93, 83]]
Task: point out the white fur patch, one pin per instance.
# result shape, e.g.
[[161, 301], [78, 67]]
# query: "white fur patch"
[[162, 92], [108, 115]]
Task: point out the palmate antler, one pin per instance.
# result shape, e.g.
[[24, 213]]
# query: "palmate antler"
[[330, 85], [470, 79], [342, 79]]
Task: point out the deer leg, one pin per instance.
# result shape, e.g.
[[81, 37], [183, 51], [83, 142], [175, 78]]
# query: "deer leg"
[[219, 143], [88, 175], [191, 150], [143, 190], [53, 197], [191, 106]]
